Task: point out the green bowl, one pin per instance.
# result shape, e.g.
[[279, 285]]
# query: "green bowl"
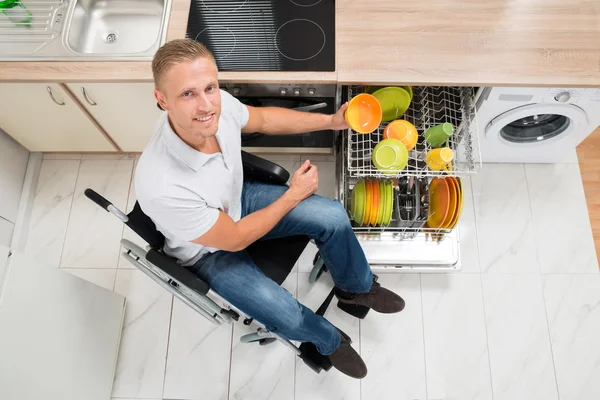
[[390, 156]]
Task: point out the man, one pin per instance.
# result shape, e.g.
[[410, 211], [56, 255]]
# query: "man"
[[189, 181]]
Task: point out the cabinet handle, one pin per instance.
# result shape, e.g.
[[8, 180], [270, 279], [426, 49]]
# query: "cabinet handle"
[[85, 96], [52, 97]]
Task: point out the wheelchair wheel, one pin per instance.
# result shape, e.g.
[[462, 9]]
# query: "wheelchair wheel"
[[318, 269]]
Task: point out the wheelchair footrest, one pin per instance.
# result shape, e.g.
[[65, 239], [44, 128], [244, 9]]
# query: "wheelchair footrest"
[[354, 310], [311, 357]]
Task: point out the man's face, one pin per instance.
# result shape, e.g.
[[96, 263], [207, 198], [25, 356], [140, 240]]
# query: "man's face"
[[190, 93]]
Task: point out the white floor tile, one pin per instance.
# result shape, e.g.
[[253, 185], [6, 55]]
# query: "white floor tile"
[[101, 277], [93, 235], [198, 358], [519, 344], [504, 222], [392, 345], [305, 261], [262, 372], [326, 172], [469, 245], [456, 351], [562, 225], [332, 384], [141, 364], [51, 209], [573, 310]]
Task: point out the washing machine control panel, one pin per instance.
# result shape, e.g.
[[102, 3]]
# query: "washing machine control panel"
[[562, 96]]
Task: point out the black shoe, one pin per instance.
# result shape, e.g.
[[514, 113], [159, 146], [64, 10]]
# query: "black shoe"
[[347, 360], [379, 299]]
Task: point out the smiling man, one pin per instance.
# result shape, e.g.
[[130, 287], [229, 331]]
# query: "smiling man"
[[189, 181]]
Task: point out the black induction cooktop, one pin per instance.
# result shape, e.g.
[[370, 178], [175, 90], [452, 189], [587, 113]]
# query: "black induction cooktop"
[[266, 35]]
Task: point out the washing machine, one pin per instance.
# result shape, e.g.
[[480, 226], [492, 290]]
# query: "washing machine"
[[535, 125]]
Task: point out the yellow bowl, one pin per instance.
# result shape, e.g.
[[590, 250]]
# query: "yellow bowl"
[[363, 114], [402, 130]]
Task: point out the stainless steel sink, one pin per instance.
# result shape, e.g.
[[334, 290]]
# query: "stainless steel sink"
[[114, 26], [87, 30]]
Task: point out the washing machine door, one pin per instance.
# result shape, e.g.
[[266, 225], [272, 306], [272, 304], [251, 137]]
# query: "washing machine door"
[[535, 125]]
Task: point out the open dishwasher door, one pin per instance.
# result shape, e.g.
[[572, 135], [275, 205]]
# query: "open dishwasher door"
[[411, 237]]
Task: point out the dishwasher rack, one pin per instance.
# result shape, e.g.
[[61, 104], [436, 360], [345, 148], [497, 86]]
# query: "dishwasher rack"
[[430, 106], [410, 209]]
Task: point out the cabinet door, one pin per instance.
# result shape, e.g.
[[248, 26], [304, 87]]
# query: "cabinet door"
[[42, 117], [13, 166], [126, 111]]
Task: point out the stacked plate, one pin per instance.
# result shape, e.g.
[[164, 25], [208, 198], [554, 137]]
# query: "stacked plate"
[[446, 200], [372, 202]]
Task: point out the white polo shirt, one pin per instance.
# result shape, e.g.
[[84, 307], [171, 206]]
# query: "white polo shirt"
[[182, 189]]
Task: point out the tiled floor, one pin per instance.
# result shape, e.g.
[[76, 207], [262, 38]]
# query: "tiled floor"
[[521, 321]]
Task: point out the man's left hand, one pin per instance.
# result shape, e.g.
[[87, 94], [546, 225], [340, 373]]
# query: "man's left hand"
[[337, 120]]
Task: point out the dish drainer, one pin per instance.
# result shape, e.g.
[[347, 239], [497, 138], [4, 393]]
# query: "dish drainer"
[[407, 242], [430, 106]]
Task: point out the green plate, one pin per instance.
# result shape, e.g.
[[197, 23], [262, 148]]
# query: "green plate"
[[387, 217], [394, 102], [357, 202], [382, 203]]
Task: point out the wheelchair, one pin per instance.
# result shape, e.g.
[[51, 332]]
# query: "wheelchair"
[[274, 257]]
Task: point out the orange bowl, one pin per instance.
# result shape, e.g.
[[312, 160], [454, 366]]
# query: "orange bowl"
[[402, 130], [363, 114]]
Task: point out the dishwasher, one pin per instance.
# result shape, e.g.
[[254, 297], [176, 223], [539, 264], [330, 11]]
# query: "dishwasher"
[[407, 244]]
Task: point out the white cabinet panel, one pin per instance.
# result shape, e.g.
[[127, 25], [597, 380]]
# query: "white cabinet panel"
[[6, 231], [13, 164], [42, 117], [126, 111]]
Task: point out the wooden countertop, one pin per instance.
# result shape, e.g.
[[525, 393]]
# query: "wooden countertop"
[[448, 42], [475, 42]]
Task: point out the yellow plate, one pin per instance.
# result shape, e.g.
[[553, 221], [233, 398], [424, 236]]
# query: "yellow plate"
[[461, 202], [387, 219], [382, 203], [439, 202], [454, 199]]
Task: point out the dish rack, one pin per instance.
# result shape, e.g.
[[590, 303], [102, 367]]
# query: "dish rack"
[[410, 209], [430, 106]]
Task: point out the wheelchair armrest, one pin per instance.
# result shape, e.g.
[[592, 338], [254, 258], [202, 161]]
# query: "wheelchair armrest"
[[178, 272], [259, 169]]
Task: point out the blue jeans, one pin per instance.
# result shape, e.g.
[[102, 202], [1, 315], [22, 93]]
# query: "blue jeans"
[[235, 277]]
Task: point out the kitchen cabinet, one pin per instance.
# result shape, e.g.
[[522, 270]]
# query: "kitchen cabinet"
[[6, 232], [126, 111], [13, 165], [43, 117]]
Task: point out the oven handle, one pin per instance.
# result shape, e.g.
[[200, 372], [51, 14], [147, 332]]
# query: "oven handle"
[[310, 107]]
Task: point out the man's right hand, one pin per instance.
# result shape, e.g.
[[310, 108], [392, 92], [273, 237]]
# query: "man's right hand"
[[304, 183]]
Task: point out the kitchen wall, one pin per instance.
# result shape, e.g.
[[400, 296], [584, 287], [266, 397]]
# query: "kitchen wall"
[[13, 164]]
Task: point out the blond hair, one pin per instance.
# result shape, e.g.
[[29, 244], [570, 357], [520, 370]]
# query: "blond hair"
[[173, 53]]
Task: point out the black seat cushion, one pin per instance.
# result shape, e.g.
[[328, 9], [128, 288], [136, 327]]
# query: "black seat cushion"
[[276, 257]]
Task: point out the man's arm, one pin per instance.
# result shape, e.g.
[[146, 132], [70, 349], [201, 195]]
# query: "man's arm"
[[235, 236], [281, 121]]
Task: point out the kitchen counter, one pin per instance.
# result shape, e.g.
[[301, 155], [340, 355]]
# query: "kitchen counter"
[[447, 42]]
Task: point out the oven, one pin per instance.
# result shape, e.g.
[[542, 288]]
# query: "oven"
[[317, 98]]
